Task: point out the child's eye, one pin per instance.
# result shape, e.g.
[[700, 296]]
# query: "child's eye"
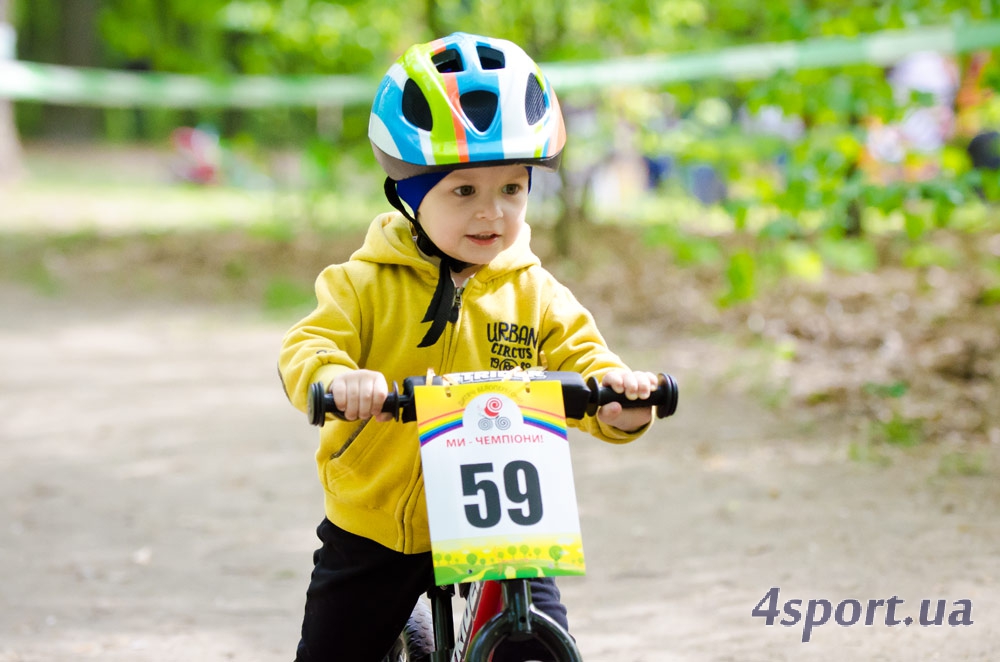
[[465, 191], [512, 189]]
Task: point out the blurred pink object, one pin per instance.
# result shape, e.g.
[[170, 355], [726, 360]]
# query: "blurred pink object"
[[198, 155]]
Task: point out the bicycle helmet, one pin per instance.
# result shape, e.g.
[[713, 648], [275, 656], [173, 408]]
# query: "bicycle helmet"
[[463, 101]]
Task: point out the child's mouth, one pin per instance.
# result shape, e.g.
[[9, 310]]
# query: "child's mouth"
[[483, 239]]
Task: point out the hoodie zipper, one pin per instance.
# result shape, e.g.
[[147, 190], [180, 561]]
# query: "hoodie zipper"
[[456, 303], [450, 335]]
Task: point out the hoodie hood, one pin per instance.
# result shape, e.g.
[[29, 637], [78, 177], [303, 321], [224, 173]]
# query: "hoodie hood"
[[390, 241]]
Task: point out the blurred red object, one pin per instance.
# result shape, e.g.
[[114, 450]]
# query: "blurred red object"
[[198, 155]]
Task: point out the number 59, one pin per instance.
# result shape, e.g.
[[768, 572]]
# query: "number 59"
[[520, 482]]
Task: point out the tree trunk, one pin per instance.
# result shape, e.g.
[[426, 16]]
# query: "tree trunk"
[[78, 47], [10, 147], [574, 195]]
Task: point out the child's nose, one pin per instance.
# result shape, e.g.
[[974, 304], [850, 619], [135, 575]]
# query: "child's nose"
[[490, 208]]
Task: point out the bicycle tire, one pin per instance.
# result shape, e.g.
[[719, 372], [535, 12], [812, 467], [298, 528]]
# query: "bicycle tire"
[[416, 642]]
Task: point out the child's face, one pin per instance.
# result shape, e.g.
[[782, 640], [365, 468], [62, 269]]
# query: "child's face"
[[475, 213]]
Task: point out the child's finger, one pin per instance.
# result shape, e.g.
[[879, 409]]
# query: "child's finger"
[[338, 389], [631, 380], [365, 398], [377, 395], [609, 412], [647, 384], [353, 398], [614, 380]]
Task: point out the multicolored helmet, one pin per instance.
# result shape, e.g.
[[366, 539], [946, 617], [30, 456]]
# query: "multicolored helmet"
[[463, 101]]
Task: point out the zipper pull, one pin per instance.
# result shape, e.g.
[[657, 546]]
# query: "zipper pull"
[[456, 303]]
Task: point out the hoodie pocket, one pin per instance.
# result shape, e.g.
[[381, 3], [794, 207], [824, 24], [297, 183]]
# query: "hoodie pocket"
[[373, 467], [357, 449]]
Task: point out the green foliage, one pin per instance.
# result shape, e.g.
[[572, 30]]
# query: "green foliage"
[[806, 200], [851, 255], [898, 431], [929, 255], [894, 390], [963, 464], [990, 296], [689, 250], [741, 278], [867, 453], [891, 426], [284, 295]]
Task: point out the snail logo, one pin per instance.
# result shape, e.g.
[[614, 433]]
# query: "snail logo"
[[492, 412]]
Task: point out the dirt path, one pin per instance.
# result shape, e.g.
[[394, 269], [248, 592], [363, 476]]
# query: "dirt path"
[[159, 497]]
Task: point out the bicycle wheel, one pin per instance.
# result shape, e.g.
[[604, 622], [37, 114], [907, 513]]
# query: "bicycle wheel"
[[416, 641]]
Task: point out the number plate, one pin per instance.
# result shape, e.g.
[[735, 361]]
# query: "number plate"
[[499, 481]]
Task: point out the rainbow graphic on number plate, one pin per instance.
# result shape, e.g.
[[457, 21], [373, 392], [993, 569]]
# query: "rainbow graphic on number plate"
[[433, 428], [482, 412], [546, 420]]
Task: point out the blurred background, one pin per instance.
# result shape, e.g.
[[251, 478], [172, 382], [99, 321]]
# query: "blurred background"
[[792, 206]]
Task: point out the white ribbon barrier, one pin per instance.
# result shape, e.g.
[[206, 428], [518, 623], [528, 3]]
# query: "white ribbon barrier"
[[97, 87]]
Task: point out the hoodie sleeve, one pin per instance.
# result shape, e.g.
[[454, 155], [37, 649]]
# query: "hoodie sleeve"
[[325, 343], [572, 342]]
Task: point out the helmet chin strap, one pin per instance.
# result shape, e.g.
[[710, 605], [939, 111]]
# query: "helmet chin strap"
[[441, 309]]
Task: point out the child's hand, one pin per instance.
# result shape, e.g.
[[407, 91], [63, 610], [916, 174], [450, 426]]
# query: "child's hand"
[[360, 394], [636, 386]]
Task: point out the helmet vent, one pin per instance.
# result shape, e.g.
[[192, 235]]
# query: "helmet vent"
[[534, 100], [415, 107], [490, 58], [448, 61], [480, 107]]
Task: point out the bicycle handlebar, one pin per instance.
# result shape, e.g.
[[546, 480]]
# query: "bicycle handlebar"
[[579, 398]]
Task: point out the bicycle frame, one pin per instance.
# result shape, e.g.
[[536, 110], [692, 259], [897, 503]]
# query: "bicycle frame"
[[496, 611]]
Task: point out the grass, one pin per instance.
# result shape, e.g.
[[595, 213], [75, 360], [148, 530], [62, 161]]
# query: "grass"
[[284, 295], [963, 464], [897, 431], [865, 452]]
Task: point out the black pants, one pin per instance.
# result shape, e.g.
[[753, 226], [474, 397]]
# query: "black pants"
[[361, 594]]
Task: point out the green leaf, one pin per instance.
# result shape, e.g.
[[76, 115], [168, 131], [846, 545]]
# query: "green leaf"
[[895, 389], [915, 225], [783, 227], [850, 255], [990, 296], [741, 277], [928, 255], [283, 294], [802, 261], [898, 431]]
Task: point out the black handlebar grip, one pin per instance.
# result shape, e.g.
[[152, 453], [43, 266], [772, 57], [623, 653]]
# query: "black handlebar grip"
[[321, 403], [664, 397], [317, 407]]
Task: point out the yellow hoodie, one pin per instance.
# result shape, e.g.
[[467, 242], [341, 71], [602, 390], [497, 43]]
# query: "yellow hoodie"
[[512, 311]]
